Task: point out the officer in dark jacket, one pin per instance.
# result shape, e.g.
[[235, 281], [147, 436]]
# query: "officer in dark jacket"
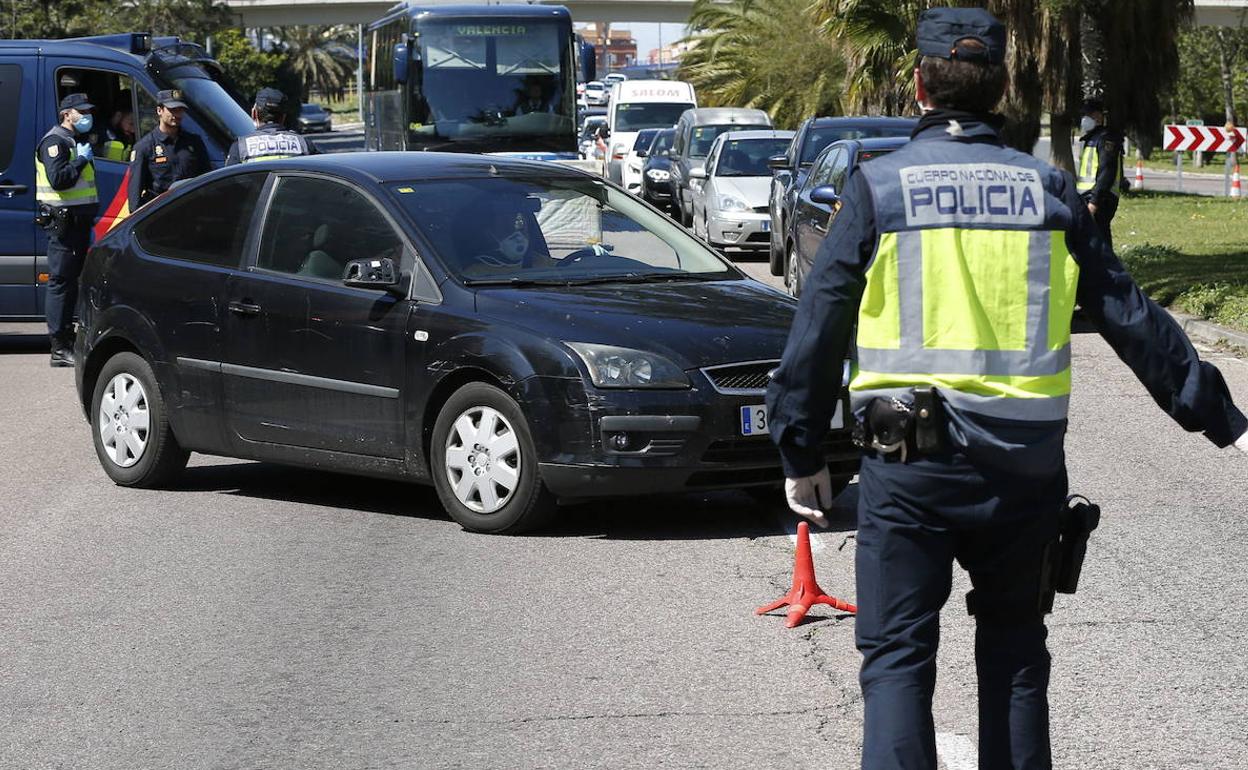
[[67, 198], [166, 154], [271, 139], [1100, 166], [955, 264]]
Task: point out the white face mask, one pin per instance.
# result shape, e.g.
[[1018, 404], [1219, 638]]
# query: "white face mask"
[[1087, 124], [514, 246]]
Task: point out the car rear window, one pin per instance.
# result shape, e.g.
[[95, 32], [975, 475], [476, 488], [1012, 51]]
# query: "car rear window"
[[819, 138], [207, 225]]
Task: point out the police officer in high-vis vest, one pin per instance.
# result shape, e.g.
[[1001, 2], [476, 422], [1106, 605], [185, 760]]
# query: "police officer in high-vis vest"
[[953, 267], [67, 199], [1100, 165], [271, 139]]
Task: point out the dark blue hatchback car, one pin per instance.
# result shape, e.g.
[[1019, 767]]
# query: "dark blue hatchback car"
[[515, 333]]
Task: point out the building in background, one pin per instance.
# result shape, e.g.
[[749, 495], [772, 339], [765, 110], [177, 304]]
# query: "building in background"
[[670, 54], [615, 48]]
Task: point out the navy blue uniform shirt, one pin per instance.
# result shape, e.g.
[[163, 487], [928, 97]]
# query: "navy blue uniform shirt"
[[160, 160], [804, 391], [1109, 149]]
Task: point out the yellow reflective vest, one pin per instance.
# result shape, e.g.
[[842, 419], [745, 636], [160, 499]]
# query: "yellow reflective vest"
[[82, 192]]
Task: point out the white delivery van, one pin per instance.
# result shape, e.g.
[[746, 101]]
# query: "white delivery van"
[[638, 104]]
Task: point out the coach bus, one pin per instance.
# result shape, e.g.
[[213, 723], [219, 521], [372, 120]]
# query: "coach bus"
[[472, 78]]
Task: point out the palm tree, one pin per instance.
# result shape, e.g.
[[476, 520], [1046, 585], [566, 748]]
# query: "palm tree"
[[315, 55], [768, 54]]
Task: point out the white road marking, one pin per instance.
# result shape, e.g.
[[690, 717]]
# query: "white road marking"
[[957, 752]]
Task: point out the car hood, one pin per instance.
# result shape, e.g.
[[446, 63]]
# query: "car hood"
[[693, 324], [754, 190]]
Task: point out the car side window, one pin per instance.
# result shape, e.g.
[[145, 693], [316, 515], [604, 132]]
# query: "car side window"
[[840, 168], [827, 169], [208, 225], [315, 226], [820, 168], [713, 158]]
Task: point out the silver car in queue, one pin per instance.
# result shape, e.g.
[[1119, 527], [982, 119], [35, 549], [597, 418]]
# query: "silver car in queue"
[[730, 210]]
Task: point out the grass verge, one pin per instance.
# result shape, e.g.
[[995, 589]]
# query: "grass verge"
[[1188, 252]]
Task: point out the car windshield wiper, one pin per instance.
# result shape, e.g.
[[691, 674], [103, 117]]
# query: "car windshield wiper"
[[513, 281], [646, 278]]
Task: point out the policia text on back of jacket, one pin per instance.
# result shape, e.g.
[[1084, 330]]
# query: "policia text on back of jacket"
[[959, 262]]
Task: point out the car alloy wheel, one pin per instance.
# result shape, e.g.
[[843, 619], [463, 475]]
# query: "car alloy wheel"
[[792, 276], [482, 459], [124, 421], [130, 425], [484, 463]]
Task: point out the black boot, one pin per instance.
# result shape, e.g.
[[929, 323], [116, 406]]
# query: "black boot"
[[62, 354]]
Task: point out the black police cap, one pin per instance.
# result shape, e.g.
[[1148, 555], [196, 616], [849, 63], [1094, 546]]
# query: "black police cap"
[[941, 29], [78, 102], [171, 99], [271, 98]]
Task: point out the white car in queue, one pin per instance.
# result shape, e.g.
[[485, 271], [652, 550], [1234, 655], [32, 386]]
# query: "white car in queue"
[[730, 206], [636, 158]]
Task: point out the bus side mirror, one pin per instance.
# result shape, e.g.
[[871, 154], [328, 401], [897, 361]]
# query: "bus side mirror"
[[402, 58]]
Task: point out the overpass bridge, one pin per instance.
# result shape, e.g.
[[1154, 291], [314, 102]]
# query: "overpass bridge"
[[274, 13]]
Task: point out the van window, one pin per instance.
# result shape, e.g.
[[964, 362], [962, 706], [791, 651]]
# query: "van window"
[[117, 126], [10, 100], [208, 225], [639, 115]]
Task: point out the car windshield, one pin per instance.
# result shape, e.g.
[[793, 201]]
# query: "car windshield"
[[703, 137], [591, 127], [748, 157], [310, 109], [662, 141], [818, 138], [639, 115], [552, 229], [644, 139]]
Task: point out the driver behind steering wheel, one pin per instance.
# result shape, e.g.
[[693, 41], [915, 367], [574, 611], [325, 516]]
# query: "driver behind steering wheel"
[[507, 245]]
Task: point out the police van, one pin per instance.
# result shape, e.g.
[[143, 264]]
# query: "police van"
[[121, 75]]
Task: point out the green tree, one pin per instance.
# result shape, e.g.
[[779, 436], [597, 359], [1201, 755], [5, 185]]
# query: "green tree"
[[767, 54], [319, 56], [1200, 90], [53, 19], [249, 68]]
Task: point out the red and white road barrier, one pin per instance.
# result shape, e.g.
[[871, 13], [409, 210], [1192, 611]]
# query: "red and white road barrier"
[[1235, 188]]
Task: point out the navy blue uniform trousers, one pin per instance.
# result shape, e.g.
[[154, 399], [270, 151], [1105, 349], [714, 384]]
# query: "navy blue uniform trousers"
[[914, 520], [66, 255]]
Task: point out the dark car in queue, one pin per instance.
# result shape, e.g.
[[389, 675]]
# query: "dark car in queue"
[[656, 174], [313, 118], [818, 201], [515, 333], [789, 170]]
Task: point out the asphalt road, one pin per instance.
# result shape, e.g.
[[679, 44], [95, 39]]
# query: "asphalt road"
[[262, 617]]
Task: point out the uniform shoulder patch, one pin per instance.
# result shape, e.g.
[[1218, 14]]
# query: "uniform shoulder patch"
[[54, 149]]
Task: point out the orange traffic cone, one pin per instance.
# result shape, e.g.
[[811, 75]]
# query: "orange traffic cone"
[[1235, 188], [1138, 184], [805, 592]]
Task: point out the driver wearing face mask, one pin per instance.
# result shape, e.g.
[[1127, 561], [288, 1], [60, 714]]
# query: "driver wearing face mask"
[[508, 244], [67, 197]]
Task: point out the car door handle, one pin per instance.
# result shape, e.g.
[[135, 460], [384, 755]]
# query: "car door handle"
[[244, 308], [9, 189]]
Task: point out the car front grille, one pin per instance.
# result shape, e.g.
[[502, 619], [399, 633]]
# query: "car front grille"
[[741, 379], [762, 210]]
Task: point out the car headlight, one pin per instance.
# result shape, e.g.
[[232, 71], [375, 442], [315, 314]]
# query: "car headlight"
[[658, 175], [729, 203], [615, 367]]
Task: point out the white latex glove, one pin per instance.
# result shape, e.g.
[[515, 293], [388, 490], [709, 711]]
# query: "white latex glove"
[[810, 495], [1241, 443]]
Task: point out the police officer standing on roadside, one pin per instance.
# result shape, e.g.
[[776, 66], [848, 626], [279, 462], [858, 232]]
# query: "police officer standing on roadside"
[[271, 140], [957, 263], [166, 154], [1100, 165], [67, 198]]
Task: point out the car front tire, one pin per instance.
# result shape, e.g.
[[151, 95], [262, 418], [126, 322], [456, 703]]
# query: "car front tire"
[[484, 463], [130, 425]]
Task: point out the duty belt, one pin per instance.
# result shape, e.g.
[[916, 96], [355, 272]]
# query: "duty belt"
[[899, 430]]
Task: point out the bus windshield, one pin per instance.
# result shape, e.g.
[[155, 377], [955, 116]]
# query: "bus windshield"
[[486, 79]]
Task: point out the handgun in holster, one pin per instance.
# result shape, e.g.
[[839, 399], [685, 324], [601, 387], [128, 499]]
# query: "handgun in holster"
[[893, 427], [53, 219], [1063, 556]]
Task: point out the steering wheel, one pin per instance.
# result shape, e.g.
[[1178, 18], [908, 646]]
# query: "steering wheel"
[[589, 252]]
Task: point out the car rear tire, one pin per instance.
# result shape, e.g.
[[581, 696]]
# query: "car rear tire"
[[792, 273], [130, 425], [484, 463], [775, 257]]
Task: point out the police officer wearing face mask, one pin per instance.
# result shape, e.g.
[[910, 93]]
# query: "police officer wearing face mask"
[[1100, 165], [271, 140], [166, 154], [954, 266], [67, 198]]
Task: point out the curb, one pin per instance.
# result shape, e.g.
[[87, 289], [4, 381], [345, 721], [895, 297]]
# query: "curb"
[[1209, 332]]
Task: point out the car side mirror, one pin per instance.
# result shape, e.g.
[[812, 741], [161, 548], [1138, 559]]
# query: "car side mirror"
[[642, 153], [371, 274], [778, 163], [400, 60], [825, 194], [697, 172]]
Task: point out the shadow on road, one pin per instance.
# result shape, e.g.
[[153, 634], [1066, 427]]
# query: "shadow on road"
[[703, 516], [23, 344]]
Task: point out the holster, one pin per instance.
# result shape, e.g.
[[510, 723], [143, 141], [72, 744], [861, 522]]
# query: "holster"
[[1064, 555], [899, 429], [55, 220]]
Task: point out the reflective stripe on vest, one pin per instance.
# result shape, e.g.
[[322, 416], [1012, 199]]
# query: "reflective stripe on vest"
[[282, 144], [1089, 165], [82, 192], [981, 314]]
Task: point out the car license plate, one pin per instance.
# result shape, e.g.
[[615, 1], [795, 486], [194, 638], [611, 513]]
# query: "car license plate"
[[754, 420], [766, 223]]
